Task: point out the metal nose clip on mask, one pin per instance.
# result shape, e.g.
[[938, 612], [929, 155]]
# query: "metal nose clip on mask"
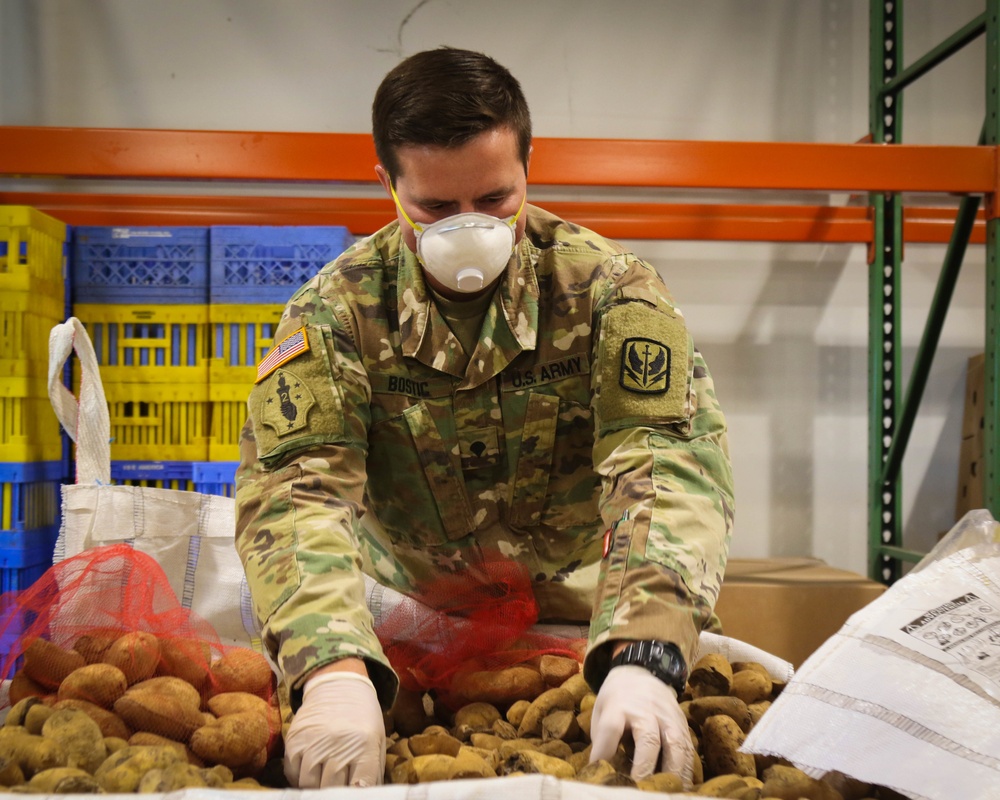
[[465, 252]]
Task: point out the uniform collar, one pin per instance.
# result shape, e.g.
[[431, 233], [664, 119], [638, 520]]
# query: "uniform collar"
[[510, 325]]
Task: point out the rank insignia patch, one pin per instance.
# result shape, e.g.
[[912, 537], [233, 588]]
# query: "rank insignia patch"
[[285, 403], [645, 366], [292, 346]]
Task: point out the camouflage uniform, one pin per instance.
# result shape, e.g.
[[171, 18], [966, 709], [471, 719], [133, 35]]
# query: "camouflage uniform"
[[582, 438]]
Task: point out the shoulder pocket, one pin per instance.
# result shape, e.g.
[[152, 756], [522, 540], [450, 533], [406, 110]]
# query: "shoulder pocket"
[[297, 403], [646, 364]]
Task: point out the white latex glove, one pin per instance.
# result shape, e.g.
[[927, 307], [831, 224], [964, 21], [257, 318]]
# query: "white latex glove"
[[632, 698], [337, 737]]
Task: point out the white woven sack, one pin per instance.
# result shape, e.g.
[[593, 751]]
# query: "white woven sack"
[[190, 535]]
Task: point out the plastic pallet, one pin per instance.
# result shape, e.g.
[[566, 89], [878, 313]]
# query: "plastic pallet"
[[32, 253], [241, 335], [215, 477], [267, 264], [30, 494], [167, 265], [158, 422], [25, 322], [148, 343]]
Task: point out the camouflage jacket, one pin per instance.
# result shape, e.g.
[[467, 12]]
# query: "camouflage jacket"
[[582, 438]]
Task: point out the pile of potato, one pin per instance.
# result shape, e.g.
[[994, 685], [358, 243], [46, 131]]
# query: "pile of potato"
[[134, 713], [535, 718]]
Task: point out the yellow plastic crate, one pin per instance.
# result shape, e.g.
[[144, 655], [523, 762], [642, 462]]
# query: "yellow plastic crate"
[[229, 413], [148, 344], [25, 323], [158, 422], [32, 253], [29, 429], [241, 336]]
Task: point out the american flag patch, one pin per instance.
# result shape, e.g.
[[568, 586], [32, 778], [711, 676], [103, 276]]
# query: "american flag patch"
[[293, 345]]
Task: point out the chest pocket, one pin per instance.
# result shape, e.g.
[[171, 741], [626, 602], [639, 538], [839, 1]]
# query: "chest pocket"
[[412, 484], [555, 482]]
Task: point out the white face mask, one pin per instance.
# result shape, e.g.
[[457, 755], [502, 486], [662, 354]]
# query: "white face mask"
[[464, 252]]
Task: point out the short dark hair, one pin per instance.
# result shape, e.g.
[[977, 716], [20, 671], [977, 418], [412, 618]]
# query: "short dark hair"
[[445, 97]]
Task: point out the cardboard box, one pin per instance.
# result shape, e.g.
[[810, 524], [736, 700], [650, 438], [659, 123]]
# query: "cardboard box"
[[790, 606], [970, 456]]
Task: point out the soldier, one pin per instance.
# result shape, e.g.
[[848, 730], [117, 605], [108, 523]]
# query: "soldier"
[[478, 377]]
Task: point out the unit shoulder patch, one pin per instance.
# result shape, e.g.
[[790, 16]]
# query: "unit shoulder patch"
[[646, 362], [286, 402]]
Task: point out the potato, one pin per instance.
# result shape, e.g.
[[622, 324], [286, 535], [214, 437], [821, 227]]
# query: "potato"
[[436, 767], [500, 688], [557, 699], [236, 702], [242, 670], [19, 711], [790, 783], [710, 676], [79, 735], [47, 664], [136, 654], [468, 764], [179, 776], [188, 659], [93, 645], [183, 691], [22, 687], [109, 722], [704, 707], [532, 762], [561, 725], [64, 780], [517, 711], [235, 740], [143, 738], [100, 684], [32, 753], [10, 772], [665, 782], [123, 770], [751, 686], [577, 686], [721, 739], [556, 670], [425, 744], [156, 712]]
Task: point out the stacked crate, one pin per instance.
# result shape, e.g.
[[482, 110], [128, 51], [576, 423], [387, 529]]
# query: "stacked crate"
[[179, 318], [32, 301], [254, 271], [142, 295]]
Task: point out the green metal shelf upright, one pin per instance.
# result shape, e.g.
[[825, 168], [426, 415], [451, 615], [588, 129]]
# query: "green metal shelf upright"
[[891, 413]]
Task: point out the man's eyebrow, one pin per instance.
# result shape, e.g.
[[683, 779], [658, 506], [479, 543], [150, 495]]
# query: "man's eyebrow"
[[500, 191]]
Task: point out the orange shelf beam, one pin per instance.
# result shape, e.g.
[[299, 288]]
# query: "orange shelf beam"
[[347, 157], [690, 221]]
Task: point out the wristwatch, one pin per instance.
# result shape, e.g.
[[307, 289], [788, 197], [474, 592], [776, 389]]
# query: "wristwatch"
[[663, 659]]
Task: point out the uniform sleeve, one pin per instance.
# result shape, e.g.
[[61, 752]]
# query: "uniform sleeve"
[[299, 494], [667, 489]]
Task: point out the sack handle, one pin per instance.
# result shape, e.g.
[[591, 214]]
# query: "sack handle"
[[86, 421]]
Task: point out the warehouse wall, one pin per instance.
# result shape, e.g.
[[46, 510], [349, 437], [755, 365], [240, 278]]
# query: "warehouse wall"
[[784, 327]]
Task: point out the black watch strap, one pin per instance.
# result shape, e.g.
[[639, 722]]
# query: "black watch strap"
[[663, 659]]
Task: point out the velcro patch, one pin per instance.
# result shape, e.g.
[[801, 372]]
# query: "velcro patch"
[[646, 362], [286, 402], [292, 346]]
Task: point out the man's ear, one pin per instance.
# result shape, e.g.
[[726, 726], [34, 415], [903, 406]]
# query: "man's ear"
[[383, 178], [527, 161]]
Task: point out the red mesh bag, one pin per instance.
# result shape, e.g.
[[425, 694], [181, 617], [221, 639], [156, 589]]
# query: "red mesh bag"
[[114, 606], [476, 620]]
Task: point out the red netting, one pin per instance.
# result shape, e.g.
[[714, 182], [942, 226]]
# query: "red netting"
[[113, 605], [479, 619]]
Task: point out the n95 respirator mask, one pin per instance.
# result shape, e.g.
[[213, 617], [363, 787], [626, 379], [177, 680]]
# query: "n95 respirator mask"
[[464, 252]]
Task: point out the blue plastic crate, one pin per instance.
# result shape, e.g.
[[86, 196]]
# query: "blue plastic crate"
[[215, 477], [266, 264], [30, 494], [163, 265], [24, 556]]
